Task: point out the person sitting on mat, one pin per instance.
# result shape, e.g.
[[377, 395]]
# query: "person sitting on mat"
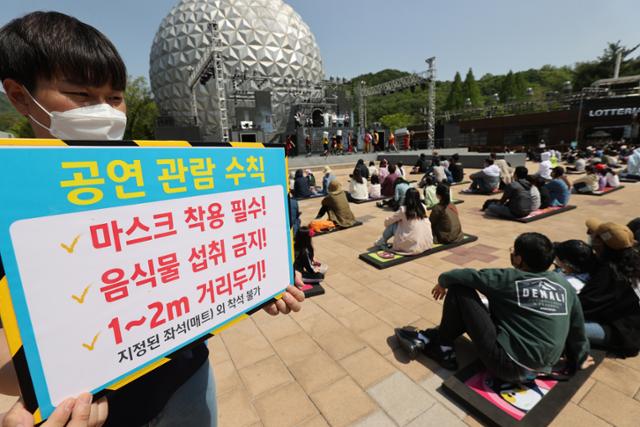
[[304, 260], [612, 178], [534, 316], [559, 187], [389, 183], [364, 170], [579, 164], [409, 227], [422, 164], [611, 297], [487, 180], [587, 183], [456, 168], [383, 170], [544, 170], [358, 188], [633, 166], [400, 169], [536, 197], [505, 170], [430, 197], [575, 261], [373, 170], [310, 178], [327, 178], [516, 200], [336, 206], [445, 222], [401, 187], [374, 188], [439, 172], [301, 189]]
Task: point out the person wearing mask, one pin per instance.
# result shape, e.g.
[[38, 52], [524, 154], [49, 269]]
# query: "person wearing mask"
[[558, 187], [487, 180], [516, 200], [327, 178], [588, 183], [456, 168], [544, 170], [515, 340], [358, 188], [389, 183], [445, 221], [409, 227], [364, 170], [336, 206], [301, 189], [611, 297]]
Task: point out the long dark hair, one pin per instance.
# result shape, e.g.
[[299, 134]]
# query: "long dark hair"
[[357, 176], [302, 242], [624, 264], [413, 207], [442, 190]]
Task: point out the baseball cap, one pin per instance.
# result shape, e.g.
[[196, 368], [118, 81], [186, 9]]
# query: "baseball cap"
[[614, 236]]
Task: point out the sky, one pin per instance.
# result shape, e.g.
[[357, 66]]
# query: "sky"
[[361, 36]]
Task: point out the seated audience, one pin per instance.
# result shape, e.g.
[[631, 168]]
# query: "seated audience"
[[336, 206], [409, 227], [301, 189], [374, 188], [445, 222], [444, 162], [373, 170], [559, 188], [364, 170], [579, 165], [505, 170], [612, 178], [389, 184], [633, 165], [422, 164], [514, 338], [327, 178], [575, 261], [310, 178], [587, 183], [304, 260], [536, 198], [610, 299], [294, 213], [634, 226], [544, 170], [430, 197], [516, 200], [487, 180], [456, 169], [400, 169], [383, 171], [439, 172], [358, 188]]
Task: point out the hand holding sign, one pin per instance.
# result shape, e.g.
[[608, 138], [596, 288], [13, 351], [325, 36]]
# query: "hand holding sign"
[[79, 412]]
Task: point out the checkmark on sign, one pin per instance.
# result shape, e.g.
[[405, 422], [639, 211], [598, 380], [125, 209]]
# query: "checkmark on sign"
[[91, 346], [70, 248], [80, 299]]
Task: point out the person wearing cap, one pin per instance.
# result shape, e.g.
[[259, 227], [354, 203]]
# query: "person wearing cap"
[[588, 183], [336, 206], [575, 261], [327, 178], [611, 297]]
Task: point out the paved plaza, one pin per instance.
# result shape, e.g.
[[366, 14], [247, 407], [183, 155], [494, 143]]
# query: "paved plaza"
[[336, 362]]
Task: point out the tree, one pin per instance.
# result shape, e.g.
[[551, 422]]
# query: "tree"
[[142, 110], [520, 86], [471, 90], [508, 87], [588, 72], [397, 120], [22, 129], [455, 100]]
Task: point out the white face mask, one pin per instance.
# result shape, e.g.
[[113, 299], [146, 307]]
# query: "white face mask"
[[93, 123]]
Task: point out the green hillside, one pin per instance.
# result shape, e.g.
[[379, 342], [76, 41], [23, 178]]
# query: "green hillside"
[[8, 115]]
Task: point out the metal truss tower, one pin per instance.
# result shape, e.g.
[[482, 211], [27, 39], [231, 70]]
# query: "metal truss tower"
[[431, 105]]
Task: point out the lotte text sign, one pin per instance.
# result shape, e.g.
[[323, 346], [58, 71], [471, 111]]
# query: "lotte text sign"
[[116, 257]]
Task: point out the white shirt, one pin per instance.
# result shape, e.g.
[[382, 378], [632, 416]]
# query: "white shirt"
[[492, 170], [374, 191], [612, 180], [359, 191]]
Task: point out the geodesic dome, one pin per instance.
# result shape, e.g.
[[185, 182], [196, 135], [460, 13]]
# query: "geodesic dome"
[[266, 37]]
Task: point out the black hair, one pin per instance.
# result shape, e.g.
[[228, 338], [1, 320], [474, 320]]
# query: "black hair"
[[372, 163], [488, 161], [577, 254], [302, 241], [400, 164], [360, 162], [521, 172], [413, 207], [558, 171], [536, 251], [49, 45], [634, 226], [624, 264], [493, 156], [357, 176], [435, 162], [375, 179], [392, 168], [444, 192], [589, 169], [429, 180], [455, 157], [299, 173]]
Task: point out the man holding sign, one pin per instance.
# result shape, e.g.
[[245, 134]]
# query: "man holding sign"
[[150, 249]]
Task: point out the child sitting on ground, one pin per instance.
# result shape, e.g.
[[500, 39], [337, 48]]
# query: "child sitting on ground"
[[304, 257], [587, 183], [612, 178], [430, 197], [445, 221], [409, 227], [375, 188], [575, 261]]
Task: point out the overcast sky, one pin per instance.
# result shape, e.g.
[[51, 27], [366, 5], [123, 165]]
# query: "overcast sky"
[[359, 36]]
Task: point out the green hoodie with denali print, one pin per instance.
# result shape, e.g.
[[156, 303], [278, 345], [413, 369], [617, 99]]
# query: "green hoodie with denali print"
[[536, 314]]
